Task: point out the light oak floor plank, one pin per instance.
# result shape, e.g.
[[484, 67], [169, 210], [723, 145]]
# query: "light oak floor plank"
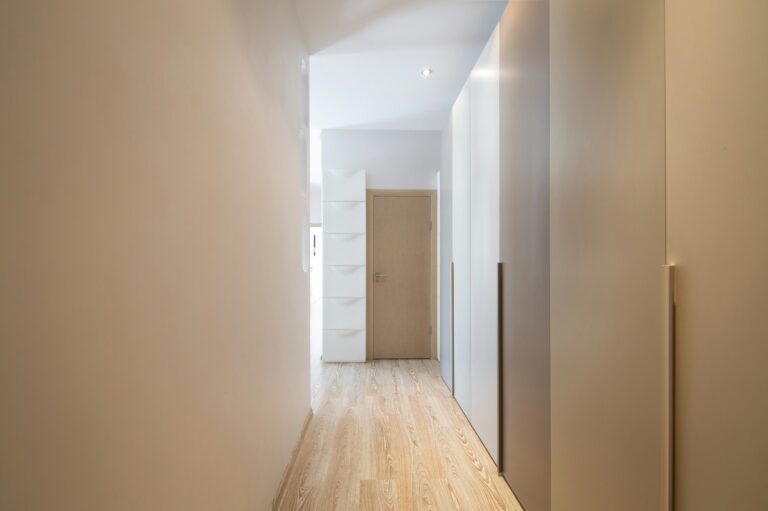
[[388, 435]]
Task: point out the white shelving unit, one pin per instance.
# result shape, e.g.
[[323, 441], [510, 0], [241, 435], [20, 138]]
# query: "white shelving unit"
[[344, 259]]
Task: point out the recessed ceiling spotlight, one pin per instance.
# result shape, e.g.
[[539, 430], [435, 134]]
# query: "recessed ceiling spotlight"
[[426, 72]]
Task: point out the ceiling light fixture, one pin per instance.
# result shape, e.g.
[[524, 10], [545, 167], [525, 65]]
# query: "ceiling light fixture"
[[426, 72]]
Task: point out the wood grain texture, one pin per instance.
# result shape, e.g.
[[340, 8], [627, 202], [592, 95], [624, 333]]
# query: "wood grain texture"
[[289, 468], [387, 435], [401, 298]]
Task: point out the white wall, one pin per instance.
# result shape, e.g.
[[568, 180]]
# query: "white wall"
[[315, 155], [315, 204], [315, 176], [391, 159], [151, 286]]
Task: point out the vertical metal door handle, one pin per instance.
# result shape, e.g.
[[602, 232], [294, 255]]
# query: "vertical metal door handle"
[[668, 357], [500, 362], [453, 330]]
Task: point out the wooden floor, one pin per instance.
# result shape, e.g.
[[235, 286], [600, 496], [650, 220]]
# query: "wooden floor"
[[388, 435]]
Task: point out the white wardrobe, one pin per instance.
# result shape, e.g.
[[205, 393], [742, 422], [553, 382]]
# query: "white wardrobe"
[[344, 262], [475, 231]]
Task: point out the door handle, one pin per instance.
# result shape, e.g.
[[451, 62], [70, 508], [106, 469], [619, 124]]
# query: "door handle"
[[669, 440], [378, 275]]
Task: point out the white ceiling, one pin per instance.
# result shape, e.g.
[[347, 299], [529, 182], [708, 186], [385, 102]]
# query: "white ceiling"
[[367, 56]]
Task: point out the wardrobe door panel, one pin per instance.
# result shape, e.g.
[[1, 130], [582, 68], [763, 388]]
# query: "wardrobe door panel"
[[484, 241], [462, 382], [524, 242], [717, 207], [446, 258], [607, 253]]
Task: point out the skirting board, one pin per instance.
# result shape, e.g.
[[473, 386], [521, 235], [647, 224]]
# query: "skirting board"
[[289, 468]]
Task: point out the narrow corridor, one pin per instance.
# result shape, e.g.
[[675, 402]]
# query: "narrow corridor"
[[344, 255], [388, 435]]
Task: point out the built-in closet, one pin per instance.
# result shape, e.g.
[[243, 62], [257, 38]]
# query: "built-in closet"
[[611, 156], [475, 246]]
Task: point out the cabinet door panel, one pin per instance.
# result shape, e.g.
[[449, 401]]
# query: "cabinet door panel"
[[343, 249], [343, 217], [343, 186], [344, 345], [343, 313], [484, 242], [717, 207], [344, 281], [607, 253], [462, 382]]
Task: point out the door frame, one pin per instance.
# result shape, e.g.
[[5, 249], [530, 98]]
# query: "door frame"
[[371, 194]]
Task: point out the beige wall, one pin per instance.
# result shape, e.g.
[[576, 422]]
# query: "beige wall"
[[524, 229], [607, 251], [153, 308], [717, 204]]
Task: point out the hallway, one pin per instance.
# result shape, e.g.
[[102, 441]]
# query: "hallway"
[[388, 435], [343, 255]]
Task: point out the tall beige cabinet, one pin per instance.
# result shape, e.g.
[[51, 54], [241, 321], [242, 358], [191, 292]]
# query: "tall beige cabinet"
[[607, 233], [633, 135], [659, 155], [524, 244], [717, 228]]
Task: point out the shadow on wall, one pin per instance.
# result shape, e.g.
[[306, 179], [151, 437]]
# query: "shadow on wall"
[[334, 21], [254, 29]]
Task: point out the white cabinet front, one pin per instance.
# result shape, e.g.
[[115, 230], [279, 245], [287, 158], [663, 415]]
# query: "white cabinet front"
[[343, 186], [344, 281], [344, 217], [344, 249], [343, 313], [344, 345]]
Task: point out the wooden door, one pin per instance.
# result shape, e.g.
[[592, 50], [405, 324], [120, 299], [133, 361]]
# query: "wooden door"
[[401, 275]]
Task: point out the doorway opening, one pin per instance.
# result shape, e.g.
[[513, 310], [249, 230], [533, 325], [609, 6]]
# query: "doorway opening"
[[315, 306]]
